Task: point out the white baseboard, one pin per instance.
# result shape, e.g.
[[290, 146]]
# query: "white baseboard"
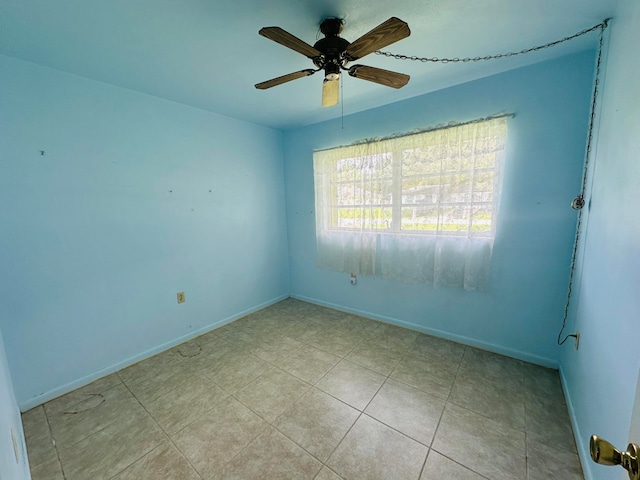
[[582, 447], [81, 382], [509, 352]]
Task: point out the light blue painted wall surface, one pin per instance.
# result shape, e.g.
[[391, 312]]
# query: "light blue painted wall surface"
[[10, 467], [94, 246], [601, 376], [522, 313], [135, 199]]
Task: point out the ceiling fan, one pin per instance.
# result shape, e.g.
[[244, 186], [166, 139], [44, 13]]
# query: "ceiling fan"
[[333, 53]]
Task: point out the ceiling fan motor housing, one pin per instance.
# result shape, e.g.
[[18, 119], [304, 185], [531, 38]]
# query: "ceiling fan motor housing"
[[332, 71], [332, 47]]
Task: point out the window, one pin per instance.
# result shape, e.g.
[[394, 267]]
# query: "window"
[[444, 183]]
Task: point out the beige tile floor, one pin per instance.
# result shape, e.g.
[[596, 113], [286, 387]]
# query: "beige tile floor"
[[298, 391]]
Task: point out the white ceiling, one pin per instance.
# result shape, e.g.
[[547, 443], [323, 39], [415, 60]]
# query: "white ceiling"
[[208, 54]]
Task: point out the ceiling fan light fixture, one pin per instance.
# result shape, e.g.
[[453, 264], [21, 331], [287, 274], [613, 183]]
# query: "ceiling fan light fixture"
[[330, 92], [331, 71]]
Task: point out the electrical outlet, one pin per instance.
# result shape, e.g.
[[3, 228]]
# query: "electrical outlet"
[[577, 339], [353, 279], [181, 298]]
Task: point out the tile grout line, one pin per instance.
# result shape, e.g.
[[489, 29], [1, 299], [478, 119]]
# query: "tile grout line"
[[435, 432], [71, 406], [229, 395], [485, 416], [464, 466], [311, 386], [361, 337], [55, 445], [362, 412], [205, 412], [163, 431], [405, 353], [547, 398], [234, 396], [137, 460], [250, 441]]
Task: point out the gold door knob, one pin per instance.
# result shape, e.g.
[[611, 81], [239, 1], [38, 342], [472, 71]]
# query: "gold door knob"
[[604, 453]]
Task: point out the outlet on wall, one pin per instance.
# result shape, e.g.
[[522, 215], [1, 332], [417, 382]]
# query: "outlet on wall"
[[181, 298]]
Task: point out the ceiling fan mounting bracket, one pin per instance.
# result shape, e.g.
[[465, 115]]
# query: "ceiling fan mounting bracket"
[[331, 27]]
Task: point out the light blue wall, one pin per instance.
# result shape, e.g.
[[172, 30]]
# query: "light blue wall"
[[601, 376], [135, 199], [522, 313], [11, 468]]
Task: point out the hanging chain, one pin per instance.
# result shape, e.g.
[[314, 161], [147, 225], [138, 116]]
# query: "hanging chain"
[[592, 117], [594, 100], [585, 176], [601, 25]]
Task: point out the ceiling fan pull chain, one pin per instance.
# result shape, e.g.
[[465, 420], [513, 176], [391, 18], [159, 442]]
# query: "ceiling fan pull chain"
[[601, 25]]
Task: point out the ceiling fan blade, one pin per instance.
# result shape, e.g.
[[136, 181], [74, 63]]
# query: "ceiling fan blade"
[[330, 92], [378, 75], [284, 79], [283, 37], [384, 34]]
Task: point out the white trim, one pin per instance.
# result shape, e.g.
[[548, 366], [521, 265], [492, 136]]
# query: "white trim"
[[509, 352], [581, 446], [81, 382]]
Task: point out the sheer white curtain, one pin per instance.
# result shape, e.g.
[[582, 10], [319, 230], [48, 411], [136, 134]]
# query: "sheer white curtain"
[[419, 208]]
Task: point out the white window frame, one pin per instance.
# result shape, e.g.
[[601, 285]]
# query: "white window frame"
[[396, 206], [439, 256]]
